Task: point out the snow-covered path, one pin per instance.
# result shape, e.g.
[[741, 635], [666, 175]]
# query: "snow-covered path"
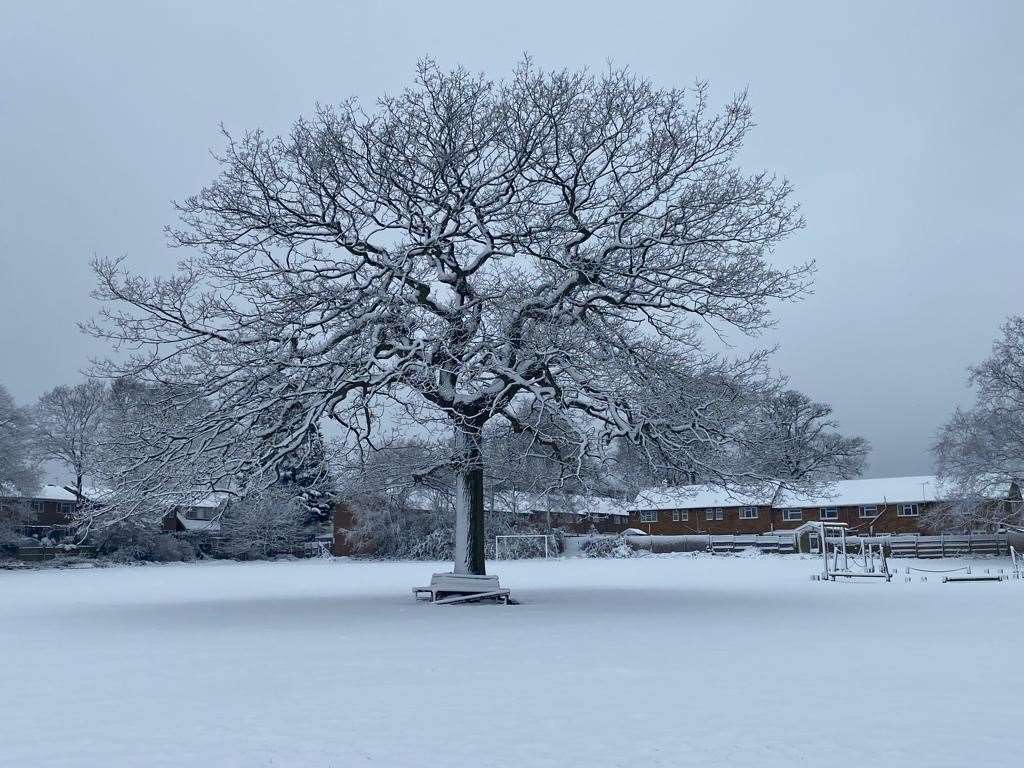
[[660, 661]]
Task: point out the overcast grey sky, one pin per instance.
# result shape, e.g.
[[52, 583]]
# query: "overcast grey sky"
[[899, 123]]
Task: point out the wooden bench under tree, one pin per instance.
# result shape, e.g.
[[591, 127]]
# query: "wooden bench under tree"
[[451, 588]]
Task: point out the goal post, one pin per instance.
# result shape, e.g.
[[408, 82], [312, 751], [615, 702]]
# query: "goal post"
[[512, 546]]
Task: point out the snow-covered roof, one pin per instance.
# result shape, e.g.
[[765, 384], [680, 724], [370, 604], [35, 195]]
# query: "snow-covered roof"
[[92, 493], [868, 490], [45, 493], [527, 503], [699, 497], [210, 501], [198, 526]]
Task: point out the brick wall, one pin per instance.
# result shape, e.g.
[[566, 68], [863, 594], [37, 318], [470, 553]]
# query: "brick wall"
[[696, 522], [886, 519]]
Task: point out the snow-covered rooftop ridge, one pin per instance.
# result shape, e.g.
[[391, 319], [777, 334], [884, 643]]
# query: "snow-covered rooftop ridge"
[[525, 503], [868, 490], [700, 496], [46, 493], [198, 499], [841, 493], [193, 526]]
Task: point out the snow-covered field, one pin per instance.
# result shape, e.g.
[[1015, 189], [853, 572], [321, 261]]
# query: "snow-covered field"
[[657, 661]]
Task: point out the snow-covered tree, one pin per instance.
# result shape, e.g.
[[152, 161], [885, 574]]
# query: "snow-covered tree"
[[131, 461], [468, 246], [797, 439], [980, 451], [67, 423], [18, 471], [306, 473], [268, 521]]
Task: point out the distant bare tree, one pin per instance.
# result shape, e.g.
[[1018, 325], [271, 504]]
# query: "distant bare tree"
[[18, 473], [797, 439], [67, 422], [268, 521], [980, 451], [557, 238]]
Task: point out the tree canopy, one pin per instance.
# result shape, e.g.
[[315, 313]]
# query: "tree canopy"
[[470, 251]]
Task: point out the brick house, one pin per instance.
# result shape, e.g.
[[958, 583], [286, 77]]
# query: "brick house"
[[195, 515], [701, 509], [49, 511], [866, 505]]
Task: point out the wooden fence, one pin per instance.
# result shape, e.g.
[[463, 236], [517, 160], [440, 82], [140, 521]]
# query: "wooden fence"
[[36, 554], [947, 545]]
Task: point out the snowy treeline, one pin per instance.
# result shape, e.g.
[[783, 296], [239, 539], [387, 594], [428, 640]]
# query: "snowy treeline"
[[980, 450], [92, 432], [18, 470]]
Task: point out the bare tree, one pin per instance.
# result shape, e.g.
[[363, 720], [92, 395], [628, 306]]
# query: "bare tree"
[[18, 473], [980, 451], [266, 522], [798, 439], [67, 423], [559, 237]]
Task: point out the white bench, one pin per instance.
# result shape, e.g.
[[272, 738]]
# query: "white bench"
[[449, 588]]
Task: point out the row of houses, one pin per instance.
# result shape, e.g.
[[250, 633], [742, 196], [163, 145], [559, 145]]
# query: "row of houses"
[[50, 511], [867, 505]]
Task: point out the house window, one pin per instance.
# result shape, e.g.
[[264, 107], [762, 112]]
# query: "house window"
[[64, 508], [748, 513], [37, 505], [714, 514], [649, 516], [792, 514], [829, 513], [909, 510], [869, 511], [675, 515], [684, 515]]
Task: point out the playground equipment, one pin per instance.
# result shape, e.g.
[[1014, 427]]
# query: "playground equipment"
[[836, 565], [961, 575]]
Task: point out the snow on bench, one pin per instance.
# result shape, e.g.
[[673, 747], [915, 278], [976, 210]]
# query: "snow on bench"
[[450, 588]]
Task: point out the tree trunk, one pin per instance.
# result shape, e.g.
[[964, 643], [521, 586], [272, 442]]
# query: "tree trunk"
[[469, 502]]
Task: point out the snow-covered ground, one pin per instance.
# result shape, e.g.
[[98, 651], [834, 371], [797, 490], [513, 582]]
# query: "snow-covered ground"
[[657, 661]]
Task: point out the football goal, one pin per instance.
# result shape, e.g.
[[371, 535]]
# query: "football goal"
[[522, 545]]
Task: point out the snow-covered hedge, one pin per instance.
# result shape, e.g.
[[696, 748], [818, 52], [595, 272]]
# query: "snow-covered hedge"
[[141, 542], [608, 547]]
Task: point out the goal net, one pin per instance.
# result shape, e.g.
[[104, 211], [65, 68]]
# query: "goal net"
[[522, 545]]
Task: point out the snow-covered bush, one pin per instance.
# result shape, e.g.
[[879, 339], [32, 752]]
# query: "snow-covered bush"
[[12, 516], [133, 541], [607, 547], [263, 524]]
